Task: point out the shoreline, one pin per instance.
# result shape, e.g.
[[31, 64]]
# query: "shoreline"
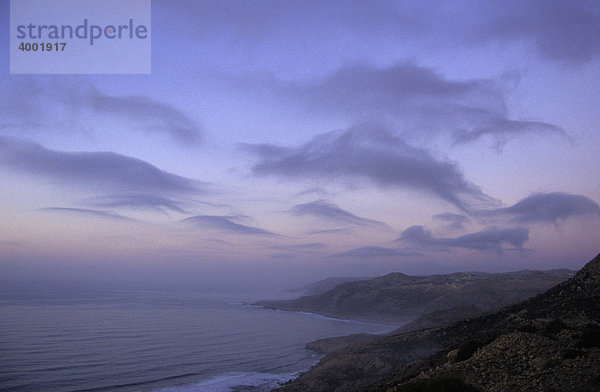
[[367, 321], [332, 318], [233, 381], [388, 328]]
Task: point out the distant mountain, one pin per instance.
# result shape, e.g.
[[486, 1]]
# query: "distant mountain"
[[548, 343], [324, 285], [399, 298]]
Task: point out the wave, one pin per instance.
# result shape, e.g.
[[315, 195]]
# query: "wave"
[[235, 382], [359, 322], [330, 318], [135, 384]]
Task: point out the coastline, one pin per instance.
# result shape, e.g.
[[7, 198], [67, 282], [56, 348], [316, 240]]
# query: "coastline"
[[324, 345], [238, 381], [316, 346], [395, 322], [326, 316], [550, 341], [274, 381]]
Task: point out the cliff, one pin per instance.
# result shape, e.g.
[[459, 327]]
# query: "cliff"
[[548, 343], [399, 298]]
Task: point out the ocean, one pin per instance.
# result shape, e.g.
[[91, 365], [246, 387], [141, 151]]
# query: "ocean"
[[156, 342]]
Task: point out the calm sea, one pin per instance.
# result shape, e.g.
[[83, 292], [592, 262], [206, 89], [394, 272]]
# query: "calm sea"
[[156, 341]]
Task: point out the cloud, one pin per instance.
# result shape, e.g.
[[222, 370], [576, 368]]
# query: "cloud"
[[45, 103], [138, 200], [415, 97], [257, 21], [394, 89], [375, 251], [455, 221], [84, 211], [485, 240], [559, 30], [549, 207], [372, 153], [503, 129], [329, 211], [92, 170], [307, 246], [154, 115], [329, 231], [564, 31], [224, 223]]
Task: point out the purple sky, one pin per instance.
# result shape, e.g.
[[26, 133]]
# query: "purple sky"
[[278, 142]]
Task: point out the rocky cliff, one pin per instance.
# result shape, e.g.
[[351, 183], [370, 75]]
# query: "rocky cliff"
[[548, 343]]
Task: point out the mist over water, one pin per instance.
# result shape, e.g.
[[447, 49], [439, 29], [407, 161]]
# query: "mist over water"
[[140, 340]]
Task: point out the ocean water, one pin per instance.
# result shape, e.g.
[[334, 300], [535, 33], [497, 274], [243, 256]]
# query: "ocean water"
[[156, 342]]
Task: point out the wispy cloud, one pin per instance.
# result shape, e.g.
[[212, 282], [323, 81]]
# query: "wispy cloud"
[[503, 129], [329, 211], [155, 116], [308, 246], [485, 240], [565, 31], [30, 103], [224, 223], [138, 201], [455, 221], [373, 153], [105, 171], [375, 251], [558, 30], [549, 208], [416, 97], [330, 231], [85, 211]]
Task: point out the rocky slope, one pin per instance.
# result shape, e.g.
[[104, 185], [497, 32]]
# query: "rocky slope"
[[548, 343], [399, 298], [441, 317]]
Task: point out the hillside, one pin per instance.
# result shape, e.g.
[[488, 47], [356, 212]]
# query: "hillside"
[[399, 298], [548, 343], [323, 285]]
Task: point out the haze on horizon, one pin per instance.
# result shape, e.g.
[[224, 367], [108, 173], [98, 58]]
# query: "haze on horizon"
[[277, 143]]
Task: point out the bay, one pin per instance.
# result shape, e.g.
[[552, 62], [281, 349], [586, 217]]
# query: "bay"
[[156, 341]]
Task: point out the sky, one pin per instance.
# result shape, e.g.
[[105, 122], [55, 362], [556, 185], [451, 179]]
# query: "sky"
[[280, 142]]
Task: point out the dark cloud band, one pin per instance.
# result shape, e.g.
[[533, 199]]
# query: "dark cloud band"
[[415, 96], [368, 152], [224, 223], [549, 208], [375, 251], [485, 240], [104, 171], [88, 212], [28, 103], [329, 211]]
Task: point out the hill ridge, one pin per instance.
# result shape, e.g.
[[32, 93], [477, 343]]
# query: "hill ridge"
[[548, 343], [400, 298]]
